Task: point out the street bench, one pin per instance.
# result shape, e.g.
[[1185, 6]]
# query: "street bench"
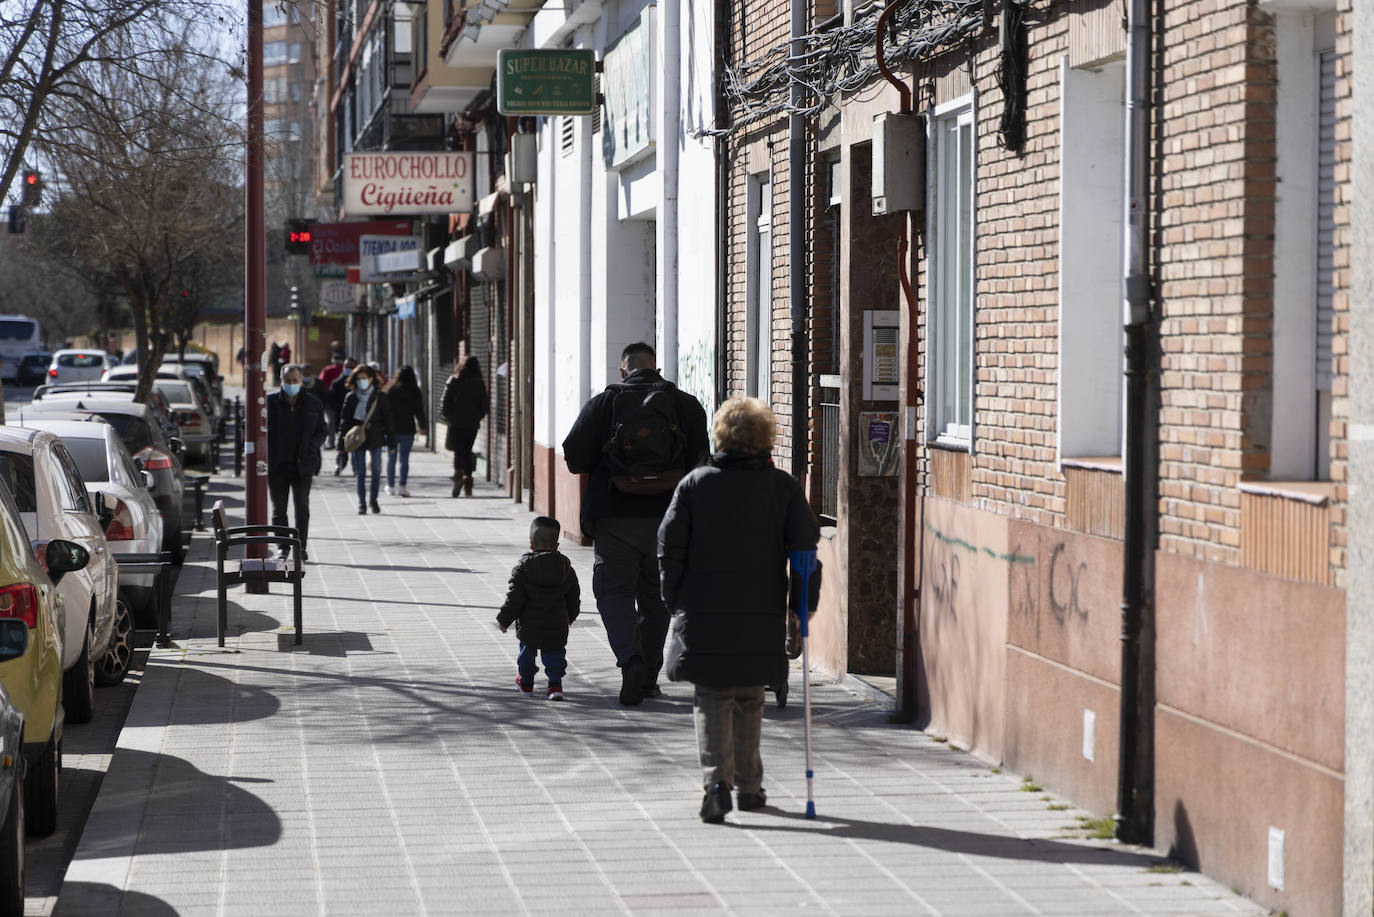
[[156, 564], [255, 569], [198, 483]]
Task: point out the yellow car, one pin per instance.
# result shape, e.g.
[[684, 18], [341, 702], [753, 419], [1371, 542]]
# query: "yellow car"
[[34, 680]]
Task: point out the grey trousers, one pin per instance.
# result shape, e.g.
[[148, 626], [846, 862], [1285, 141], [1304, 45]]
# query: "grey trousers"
[[625, 582], [729, 722]]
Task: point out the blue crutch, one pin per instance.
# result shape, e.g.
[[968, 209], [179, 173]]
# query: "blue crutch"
[[804, 562]]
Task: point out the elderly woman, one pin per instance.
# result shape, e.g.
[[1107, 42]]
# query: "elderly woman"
[[722, 552]]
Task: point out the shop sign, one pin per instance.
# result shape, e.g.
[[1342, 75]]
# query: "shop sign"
[[546, 82], [383, 259], [628, 132], [337, 243], [407, 183], [337, 296]]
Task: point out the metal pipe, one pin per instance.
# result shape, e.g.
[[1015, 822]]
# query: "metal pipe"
[[1135, 758], [255, 292], [667, 230], [796, 257]]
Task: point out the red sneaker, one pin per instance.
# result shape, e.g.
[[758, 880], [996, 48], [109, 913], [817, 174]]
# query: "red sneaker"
[[519, 683], [556, 692]]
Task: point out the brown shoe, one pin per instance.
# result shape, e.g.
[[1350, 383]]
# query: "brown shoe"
[[457, 483], [467, 485]]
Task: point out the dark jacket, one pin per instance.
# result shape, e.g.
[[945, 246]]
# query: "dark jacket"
[[338, 391], [584, 451], [722, 554], [464, 405], [318, 389], [407, 408], [542, 599], [309, 419], [378, 430]]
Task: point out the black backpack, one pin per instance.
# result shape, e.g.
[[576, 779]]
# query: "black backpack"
[[646, 448]]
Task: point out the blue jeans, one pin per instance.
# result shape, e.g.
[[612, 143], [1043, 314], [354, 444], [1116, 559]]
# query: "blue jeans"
[[360, 471], [403, 444], [555, 664]]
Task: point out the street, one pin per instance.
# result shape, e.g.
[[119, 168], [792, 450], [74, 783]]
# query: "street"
[[389, 766]]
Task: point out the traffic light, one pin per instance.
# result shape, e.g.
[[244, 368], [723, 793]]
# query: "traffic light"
[[298, 237], [295, 298], [33, 187]]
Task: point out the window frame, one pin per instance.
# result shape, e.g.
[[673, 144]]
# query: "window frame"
[[959, 114]]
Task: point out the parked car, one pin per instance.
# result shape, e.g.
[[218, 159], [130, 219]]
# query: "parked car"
[[78, 365], [33, 367], [137, 427], [53, 503], [206, 363], [162, 409], [189, 408], [135, 527], [33, 680], [14, 642]]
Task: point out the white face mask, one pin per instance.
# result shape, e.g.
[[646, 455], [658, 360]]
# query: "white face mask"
[[364, 384]]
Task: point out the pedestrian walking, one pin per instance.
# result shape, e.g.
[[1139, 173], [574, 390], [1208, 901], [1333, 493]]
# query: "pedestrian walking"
[[407, 405], [273, 361], [331, 373], [295, 433], [365, 407], [636, 440], [542, 601], [283, 357], [338, 391], [722, 552], [463, 407]]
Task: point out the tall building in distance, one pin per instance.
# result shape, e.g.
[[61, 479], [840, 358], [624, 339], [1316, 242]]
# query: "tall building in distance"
[[288, 120]]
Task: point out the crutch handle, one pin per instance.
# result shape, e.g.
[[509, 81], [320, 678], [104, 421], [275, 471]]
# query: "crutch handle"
[[804, 562]]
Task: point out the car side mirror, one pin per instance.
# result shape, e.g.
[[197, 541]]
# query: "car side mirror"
[[176, 445], [62, 557], [103, 511], [149, 482], [138, 463], [14, 638]]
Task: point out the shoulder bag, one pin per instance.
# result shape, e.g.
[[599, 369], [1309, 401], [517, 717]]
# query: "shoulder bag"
[[356, 437]]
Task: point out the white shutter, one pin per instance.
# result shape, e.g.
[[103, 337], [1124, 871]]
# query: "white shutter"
[[1326, 212]]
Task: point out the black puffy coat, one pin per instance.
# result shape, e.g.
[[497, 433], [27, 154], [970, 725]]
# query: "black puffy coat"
[[464, 405], [378, 429], [309, 419], [722, 554], [407, 408], [542, 600]]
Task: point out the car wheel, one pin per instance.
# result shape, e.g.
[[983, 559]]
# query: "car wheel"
[[41, 791], [114, 664], [78, 682], [12, 849]]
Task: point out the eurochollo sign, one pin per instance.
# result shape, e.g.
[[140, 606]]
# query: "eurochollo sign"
[[406, 184], [546, 82]]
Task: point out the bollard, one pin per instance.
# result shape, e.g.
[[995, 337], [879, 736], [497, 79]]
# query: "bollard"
[[238, 437]]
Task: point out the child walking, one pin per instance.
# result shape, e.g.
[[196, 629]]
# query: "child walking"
[[542, 601]]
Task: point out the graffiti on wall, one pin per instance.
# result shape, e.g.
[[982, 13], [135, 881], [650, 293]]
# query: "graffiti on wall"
[[696, 373], [1053, 592], [945, 561]]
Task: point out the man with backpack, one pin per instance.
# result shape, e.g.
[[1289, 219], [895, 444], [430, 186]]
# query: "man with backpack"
[[636, 440]]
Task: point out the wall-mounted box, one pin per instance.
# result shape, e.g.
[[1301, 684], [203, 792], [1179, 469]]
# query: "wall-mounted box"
[[882, 355], [899, 162]]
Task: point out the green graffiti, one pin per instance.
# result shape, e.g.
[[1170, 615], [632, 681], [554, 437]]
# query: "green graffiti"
[[696, 373], [955, 541]]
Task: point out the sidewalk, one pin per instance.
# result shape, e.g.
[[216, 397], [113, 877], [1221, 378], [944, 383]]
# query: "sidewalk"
[[388, 766]]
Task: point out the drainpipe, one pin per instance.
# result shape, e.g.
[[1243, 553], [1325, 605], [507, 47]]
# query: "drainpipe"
[[668, 143], [910, 530], [1135, 759], [796, 256]]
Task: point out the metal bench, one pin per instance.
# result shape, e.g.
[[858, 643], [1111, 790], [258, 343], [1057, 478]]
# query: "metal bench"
[[255, 569], [198, 483]]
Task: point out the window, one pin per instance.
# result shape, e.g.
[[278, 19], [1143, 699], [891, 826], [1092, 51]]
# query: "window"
[[273, 53], [91, 458], [16, 469], [71, 489], [1304, 233], [1092, 138], [759, 294], [950, 269]]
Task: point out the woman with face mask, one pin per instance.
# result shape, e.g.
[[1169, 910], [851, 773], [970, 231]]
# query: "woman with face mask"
[[366, 405]]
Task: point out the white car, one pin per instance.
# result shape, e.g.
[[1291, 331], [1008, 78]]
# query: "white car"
[[78, 366], [53, 504], [189, 412], [135, 527]]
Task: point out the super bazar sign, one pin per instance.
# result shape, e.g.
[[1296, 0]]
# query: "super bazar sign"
[[407, 183]]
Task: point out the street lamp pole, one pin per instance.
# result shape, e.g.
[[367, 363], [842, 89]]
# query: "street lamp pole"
[[255, 289]]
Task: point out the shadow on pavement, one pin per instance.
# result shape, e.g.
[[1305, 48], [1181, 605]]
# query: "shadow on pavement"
[[951, 841], [182, 809], [203, 697], [83, 898], [327, 643]]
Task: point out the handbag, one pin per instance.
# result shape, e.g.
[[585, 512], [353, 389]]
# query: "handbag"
[[356, 437]]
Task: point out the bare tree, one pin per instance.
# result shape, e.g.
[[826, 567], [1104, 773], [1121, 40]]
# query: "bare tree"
[[148, 191]]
